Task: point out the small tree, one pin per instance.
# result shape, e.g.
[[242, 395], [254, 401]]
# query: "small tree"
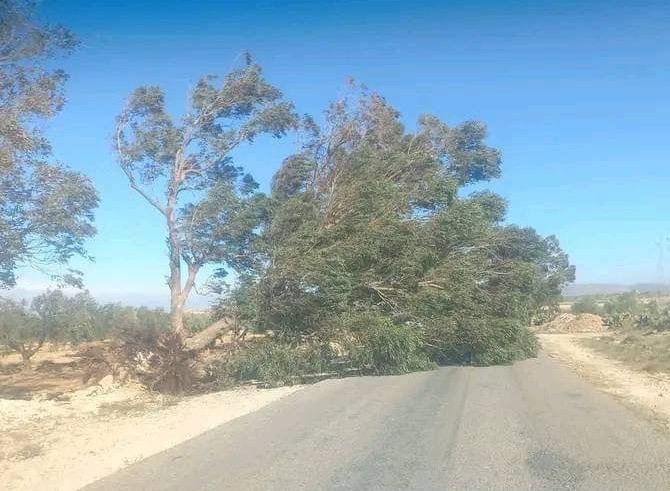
[[46, 209], [185, 171], [21, 330], [67, 319]]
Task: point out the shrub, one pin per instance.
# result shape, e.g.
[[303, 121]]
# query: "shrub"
[[586, 305], [654, 316], [380, 346], [544, 314]]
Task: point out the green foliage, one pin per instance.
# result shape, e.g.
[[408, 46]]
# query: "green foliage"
[[56, 317], [273, 363], [20, 328], [197, 321], [622, 311], [654, 316], [46, 209], [113, 317], [370, 219], [383, 347], [211, 207], [480, 341], [67, 319], [587, 305], [625, 303], [627, 311], [371, 344]]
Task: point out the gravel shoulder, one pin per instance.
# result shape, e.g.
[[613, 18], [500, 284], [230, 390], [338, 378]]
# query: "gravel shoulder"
[[647, 391], [68, 443]]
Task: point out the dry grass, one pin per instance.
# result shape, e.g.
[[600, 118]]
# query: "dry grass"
[[646, 351]]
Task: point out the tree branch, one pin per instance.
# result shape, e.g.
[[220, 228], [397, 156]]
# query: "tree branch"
[[129, 174]]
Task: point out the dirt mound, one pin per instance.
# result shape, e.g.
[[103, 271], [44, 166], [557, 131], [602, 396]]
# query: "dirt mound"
[[567, 323]]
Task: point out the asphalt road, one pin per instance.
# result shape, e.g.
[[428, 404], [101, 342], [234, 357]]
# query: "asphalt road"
[[534, 425]]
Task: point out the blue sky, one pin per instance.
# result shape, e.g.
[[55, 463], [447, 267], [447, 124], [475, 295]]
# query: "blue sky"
[[576, 95]]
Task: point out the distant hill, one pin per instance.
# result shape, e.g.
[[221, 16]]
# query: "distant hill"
[[581, 289]]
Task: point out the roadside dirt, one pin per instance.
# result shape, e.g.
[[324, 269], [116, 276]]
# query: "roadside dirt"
[[648, 391], [67, 442]]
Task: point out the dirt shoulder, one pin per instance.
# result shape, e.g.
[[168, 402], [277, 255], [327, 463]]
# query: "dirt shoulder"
[[66, 443], [648, 391]]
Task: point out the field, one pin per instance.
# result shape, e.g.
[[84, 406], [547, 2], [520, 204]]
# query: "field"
[[59, 433], [56, 371]]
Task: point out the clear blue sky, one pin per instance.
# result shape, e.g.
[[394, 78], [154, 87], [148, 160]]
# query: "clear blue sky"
[[576, 95]]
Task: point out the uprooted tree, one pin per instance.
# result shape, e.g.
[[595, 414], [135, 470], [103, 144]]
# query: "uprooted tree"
[[186, 172], [370, 221], [46, 209]]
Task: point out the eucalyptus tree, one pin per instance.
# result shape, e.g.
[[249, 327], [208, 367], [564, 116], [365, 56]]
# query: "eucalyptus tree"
[[184, 169], [46, 209], [371, 219]]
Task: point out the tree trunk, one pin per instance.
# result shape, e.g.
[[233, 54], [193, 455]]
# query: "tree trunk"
[[26, 355], [176, 300], [202, 339], [178, 293]]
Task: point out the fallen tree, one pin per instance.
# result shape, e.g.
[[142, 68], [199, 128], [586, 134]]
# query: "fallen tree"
[[369, 220]]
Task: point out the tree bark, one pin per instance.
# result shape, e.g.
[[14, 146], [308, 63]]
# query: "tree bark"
[[26, 356], [200, 340], [176, 297]]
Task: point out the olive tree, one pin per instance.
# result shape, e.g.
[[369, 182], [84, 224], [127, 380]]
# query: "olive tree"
[[21, 330], [184, 170]]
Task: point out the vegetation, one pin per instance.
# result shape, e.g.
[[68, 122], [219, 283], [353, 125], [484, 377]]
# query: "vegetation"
[[635, 348], [374, 345], [380, 346], [373, 252], [627, 310], [20, 330], [273, 363], [210, 206], [46, 209], [57, 318], [586, 305], [370, 220]]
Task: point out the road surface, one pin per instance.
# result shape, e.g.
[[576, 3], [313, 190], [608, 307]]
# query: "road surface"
[[534, 425]]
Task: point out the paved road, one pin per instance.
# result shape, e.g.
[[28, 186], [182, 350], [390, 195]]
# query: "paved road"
[[533, 425]]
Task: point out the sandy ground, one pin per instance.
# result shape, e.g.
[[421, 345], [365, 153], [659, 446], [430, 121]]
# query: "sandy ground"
[[650, 392], [65, 444]]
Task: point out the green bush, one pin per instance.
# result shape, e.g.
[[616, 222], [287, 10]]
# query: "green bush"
[[380, 346], [586, 305], [625, 303], [653, 316]]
